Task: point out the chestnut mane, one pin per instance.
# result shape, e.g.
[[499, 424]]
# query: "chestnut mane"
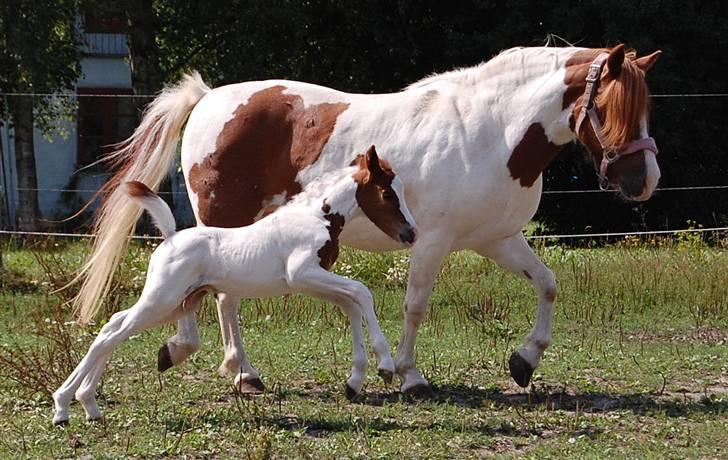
[[623, 103]]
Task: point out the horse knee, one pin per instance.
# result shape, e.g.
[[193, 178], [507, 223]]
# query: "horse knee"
[[414, 314], [550, 289]]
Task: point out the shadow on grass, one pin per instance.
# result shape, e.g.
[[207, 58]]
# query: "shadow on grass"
[[548, 399]]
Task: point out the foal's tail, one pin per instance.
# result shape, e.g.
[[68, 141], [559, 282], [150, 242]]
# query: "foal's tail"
[[155, 206], [146, 156]]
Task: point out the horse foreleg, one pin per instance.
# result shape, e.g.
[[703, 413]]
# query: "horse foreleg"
[[425, 261], [352, 297], [514, 254]]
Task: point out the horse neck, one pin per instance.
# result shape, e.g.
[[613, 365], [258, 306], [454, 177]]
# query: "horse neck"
[[341, 198], [332, 194], [520, 86]]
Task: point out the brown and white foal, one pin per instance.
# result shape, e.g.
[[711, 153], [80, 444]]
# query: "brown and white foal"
[[288, 251]]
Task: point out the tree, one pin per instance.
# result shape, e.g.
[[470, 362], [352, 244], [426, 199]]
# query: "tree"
[[39, 53]]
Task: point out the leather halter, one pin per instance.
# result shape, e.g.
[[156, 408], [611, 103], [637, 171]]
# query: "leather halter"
[[610, 154]]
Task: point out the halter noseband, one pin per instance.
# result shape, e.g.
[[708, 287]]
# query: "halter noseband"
[[588, 108]]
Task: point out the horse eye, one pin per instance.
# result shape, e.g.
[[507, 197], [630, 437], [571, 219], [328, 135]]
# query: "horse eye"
[[387, 195]]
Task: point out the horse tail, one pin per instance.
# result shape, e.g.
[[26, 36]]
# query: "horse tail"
[[146, 156], [155, 206]]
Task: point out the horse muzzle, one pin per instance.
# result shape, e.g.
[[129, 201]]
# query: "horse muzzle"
[[408, 235]]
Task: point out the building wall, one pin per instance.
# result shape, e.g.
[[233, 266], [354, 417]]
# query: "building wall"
[[105, 66]]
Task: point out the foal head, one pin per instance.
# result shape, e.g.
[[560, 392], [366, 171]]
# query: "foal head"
[[380, 195], [616, 132]]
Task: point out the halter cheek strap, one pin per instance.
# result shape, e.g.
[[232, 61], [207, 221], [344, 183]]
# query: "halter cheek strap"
[[589, 110]]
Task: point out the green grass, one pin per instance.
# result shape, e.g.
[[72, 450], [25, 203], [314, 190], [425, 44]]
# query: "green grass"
[[638, 367]]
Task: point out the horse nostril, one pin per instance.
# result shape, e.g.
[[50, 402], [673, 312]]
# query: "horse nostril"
[[407, 235]]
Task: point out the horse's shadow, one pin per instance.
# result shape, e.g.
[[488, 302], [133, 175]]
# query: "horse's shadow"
[[536, 400], [560, 399]]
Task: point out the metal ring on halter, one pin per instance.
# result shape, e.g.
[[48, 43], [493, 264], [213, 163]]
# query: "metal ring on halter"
[[611, 155], [603, 182]]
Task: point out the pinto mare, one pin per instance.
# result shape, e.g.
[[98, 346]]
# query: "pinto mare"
[[470, 146], [289, 251]]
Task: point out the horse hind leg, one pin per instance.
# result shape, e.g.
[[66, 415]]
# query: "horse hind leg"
[[143, 315]]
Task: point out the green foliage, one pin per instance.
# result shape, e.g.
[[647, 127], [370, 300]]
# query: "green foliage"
[[39, 53]]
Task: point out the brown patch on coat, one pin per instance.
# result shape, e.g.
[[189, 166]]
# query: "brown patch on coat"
[[531, 156], [258, 154], [329, 252]]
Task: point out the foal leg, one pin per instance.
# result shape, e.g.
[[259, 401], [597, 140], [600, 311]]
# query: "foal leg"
[[182, 345], [355, 300], [425, 261], [122, 325], [247, 379], [514, 254]]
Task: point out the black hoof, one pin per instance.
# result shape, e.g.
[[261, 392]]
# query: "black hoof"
[[251, 387], [60, 422], [164, 359], [350, 393], [386, 375], [421, 391], [521, 371]]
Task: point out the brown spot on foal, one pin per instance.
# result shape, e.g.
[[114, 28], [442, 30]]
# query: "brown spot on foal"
[[329, 252], [258, 154], [531, 155]]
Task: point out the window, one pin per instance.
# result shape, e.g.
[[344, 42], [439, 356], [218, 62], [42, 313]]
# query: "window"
[[103, 121]]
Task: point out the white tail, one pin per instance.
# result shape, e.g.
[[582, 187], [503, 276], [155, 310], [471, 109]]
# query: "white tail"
[[155, 206], [146, 156]]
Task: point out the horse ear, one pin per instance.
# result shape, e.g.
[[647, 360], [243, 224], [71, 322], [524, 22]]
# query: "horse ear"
[[646, 62], [372, 160], [615, 61]]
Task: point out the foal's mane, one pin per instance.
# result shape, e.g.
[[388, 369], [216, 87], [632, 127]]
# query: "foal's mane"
[[623, 102]]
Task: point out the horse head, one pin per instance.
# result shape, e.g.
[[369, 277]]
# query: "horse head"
[[611, 119], [380, 195]]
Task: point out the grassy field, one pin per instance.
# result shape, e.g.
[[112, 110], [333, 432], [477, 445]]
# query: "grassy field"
[[638, 367]]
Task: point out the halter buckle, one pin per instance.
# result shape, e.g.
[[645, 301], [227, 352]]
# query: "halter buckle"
[[595, 71]]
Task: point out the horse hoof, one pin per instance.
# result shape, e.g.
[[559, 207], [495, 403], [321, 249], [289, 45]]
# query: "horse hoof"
[[164, 359], [252, 386], [420, 391], [350, 393], [386, 375], [62, 422], [521, 371]]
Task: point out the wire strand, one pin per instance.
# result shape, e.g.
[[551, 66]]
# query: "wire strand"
[[545, 192], [532, 237]]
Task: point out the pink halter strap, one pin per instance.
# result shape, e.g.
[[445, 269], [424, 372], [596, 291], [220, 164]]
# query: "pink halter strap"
[[610, 154]]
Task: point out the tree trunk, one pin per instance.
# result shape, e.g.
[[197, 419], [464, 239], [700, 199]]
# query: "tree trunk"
[[3, 197], [143, 49], [146, 75], [22, 116]]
